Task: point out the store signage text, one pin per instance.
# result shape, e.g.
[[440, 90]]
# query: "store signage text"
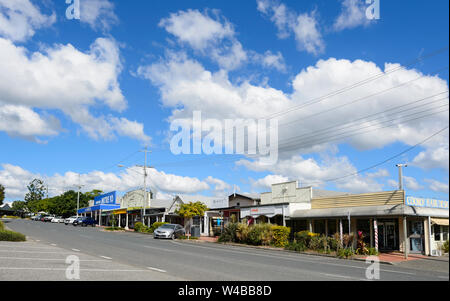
[[106, 199], [428, 203]]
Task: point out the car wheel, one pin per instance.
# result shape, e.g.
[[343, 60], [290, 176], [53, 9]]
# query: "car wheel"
[[173, 236]]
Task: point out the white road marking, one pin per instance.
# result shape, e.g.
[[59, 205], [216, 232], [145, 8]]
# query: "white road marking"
[[51, 259], [53, 245], [76, 250], [38, 252], [106, 257], [340, 276], [156, 269], [443, 277], [63, 269]]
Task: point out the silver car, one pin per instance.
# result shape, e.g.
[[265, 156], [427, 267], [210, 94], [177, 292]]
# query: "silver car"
[[171, 231]]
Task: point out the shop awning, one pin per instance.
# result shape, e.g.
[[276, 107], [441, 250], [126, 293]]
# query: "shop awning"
[[440, 221], [120, 211]]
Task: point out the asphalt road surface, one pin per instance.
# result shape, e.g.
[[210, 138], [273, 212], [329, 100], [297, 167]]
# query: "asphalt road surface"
[[135, 256]]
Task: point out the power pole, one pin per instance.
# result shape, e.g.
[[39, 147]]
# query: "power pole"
[[78, 197], [400, 175], [145, 151]]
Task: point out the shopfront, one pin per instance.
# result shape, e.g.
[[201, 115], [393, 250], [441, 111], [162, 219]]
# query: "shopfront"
[[382, 218]]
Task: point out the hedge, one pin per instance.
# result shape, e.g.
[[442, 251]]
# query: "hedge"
[[6, 235], [280, 236]]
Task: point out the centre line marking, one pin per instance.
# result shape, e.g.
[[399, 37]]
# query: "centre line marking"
[[106, 257], [156, 269], [76, 250]]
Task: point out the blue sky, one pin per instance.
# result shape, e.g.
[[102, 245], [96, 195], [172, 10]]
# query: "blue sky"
[[80, 96]]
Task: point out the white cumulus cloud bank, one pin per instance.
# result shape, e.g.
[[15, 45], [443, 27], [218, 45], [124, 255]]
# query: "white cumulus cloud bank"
[[403, 106], [19, 19], [212, 36], [61, 77], [16, 179]]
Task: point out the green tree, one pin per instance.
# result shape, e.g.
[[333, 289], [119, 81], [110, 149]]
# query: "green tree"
[[190, 210], [18, 206], [35, 195], [2, 194]]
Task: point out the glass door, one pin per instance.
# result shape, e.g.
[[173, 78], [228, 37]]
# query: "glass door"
[[416, 236]]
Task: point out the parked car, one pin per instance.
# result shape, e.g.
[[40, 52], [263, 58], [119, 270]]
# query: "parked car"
[[70, 220], [171, 231], [57, 219], [84, 222], [48, 218], [36, 217], [42, 218]]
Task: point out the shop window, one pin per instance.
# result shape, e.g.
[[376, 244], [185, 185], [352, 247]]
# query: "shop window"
[[437, 232], [319, 226], [445, 233], [332, 227]]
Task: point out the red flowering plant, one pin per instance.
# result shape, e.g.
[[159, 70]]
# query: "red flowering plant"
[[362, 248]]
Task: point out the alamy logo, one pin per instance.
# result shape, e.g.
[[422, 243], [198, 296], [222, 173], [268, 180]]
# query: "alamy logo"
[[373, 270], [73, 10], [373, 11], [73, 270], [258, 138]]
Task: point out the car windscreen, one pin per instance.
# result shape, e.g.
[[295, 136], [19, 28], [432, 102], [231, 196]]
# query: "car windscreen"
[[168, 226]]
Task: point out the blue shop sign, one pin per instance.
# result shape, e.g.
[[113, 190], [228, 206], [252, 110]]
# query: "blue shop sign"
[[427, 203], [106, 199]]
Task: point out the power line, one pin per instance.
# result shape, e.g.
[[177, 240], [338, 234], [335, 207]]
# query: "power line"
[[383, 162]]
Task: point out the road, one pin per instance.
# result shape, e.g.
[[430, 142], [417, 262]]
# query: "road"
[[181, 260]]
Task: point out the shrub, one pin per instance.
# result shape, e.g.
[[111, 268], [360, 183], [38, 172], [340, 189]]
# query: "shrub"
[[2, 226], [155, 226], [280, 236], [372, 251], [344, 253], [315, 243], [229, 233], [260, 234], [445, 247], [305, 237], [333, 243], [295, 246], [242, 231], [140, 227], [347, 240], [6, 235], [362, 248]]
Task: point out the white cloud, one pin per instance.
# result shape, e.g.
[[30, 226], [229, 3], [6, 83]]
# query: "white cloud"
[[304, 26], [20, 18], [63, 78], [196, 29], [353, 14], [20, 121], [271, 60], [437, 186], [212, 36], [186, 86], [99, 14], [16, 179], [267, 181], [310, 172], [219, 185], [436, 156], [408, 182]]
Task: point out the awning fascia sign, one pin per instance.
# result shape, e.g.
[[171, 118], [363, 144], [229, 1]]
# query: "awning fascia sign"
[[427, 203], [120, 211], [440, 221]]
